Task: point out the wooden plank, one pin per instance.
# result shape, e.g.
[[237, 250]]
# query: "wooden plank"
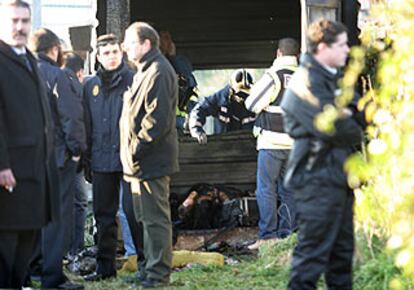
[[223, 173], [227, 148], [184, 189], [229, 159]]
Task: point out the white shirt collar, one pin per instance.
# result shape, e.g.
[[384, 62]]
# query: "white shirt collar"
[[330, 69], [19, 50], [285, 61]]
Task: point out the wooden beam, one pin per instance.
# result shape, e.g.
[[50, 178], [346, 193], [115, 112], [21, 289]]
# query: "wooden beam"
[[229, 159], [314, 9], [324, 3]]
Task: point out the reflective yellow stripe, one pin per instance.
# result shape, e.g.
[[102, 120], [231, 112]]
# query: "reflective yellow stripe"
[[180, 113]]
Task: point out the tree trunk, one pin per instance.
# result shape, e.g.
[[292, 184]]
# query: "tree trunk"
[[117, 17]]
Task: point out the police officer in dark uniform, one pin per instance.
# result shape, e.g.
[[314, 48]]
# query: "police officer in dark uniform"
[[70, 142], [315, 171], [227, 106], [104, 99], [73, 67]]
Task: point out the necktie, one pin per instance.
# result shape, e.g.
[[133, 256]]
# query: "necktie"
[[26, 61]]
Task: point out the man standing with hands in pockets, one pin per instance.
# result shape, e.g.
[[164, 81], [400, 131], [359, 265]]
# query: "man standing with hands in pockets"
[[149, 148]]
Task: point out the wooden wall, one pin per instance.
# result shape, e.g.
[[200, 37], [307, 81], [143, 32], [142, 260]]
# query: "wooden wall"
[[228, 159], [229, 33]]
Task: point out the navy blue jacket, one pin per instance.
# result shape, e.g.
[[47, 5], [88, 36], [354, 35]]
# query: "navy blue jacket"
[[229, 115], [104, 100], [66, 109]]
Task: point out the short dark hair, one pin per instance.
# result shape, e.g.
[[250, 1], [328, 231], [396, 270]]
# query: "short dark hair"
[[288, 46], [146, 31], [323, 31], [43, 39], [106, 39], [16, 3], [73, 61]]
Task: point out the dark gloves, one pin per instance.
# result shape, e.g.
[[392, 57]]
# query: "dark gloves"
[[87, 170]]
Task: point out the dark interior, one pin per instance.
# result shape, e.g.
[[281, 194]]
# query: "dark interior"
[[223, 33]]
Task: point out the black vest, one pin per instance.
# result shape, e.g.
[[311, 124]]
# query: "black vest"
[[272, 120]]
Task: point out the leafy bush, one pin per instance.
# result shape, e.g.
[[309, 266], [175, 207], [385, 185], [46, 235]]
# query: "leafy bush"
[[384, 172]]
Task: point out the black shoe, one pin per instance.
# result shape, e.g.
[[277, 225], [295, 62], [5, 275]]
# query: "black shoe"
[[68, 285], [154, 283], [98, 277], [138, 278]]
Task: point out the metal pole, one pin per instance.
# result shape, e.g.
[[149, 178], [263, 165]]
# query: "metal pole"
[[37, 14]]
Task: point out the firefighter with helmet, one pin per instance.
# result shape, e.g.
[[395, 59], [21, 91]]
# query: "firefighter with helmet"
[[227, 106]]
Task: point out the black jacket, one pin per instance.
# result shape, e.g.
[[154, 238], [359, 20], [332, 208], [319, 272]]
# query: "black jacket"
[[26, 145], [149, 145], [316, 156], [67, 110], [104, 99]]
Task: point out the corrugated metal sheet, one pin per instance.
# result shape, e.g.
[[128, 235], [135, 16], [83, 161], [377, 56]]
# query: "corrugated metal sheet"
[[223, 33]]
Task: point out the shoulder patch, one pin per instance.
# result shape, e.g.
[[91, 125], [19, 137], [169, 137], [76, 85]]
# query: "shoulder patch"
[[286, 79]]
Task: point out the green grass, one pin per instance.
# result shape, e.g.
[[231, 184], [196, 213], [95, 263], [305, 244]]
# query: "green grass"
[[268, 271], [373, 270]]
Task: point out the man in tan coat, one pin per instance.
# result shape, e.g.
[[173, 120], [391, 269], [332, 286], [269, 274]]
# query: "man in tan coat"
[[149, 148]]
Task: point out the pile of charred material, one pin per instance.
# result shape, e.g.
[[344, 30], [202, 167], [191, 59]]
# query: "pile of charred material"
[[206, 206]]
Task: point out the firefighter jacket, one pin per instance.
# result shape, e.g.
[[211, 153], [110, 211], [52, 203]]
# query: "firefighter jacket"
[[264, 100], [229, 114]]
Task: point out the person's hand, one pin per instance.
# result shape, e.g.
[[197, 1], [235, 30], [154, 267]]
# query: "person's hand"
[[7, 179], [201, 138], [76, 158]]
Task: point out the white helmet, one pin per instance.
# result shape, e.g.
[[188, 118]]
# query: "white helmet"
[[241, 80]]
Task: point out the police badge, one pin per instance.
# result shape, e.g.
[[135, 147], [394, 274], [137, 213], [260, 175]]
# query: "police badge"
[[95, 90]]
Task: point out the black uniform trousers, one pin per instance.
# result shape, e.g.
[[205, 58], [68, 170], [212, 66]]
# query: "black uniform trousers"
[[16, 248], [106, 188], [325, 238], [55, 236]]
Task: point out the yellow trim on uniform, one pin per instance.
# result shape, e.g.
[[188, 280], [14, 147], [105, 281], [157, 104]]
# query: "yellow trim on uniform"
[[180, 113]]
